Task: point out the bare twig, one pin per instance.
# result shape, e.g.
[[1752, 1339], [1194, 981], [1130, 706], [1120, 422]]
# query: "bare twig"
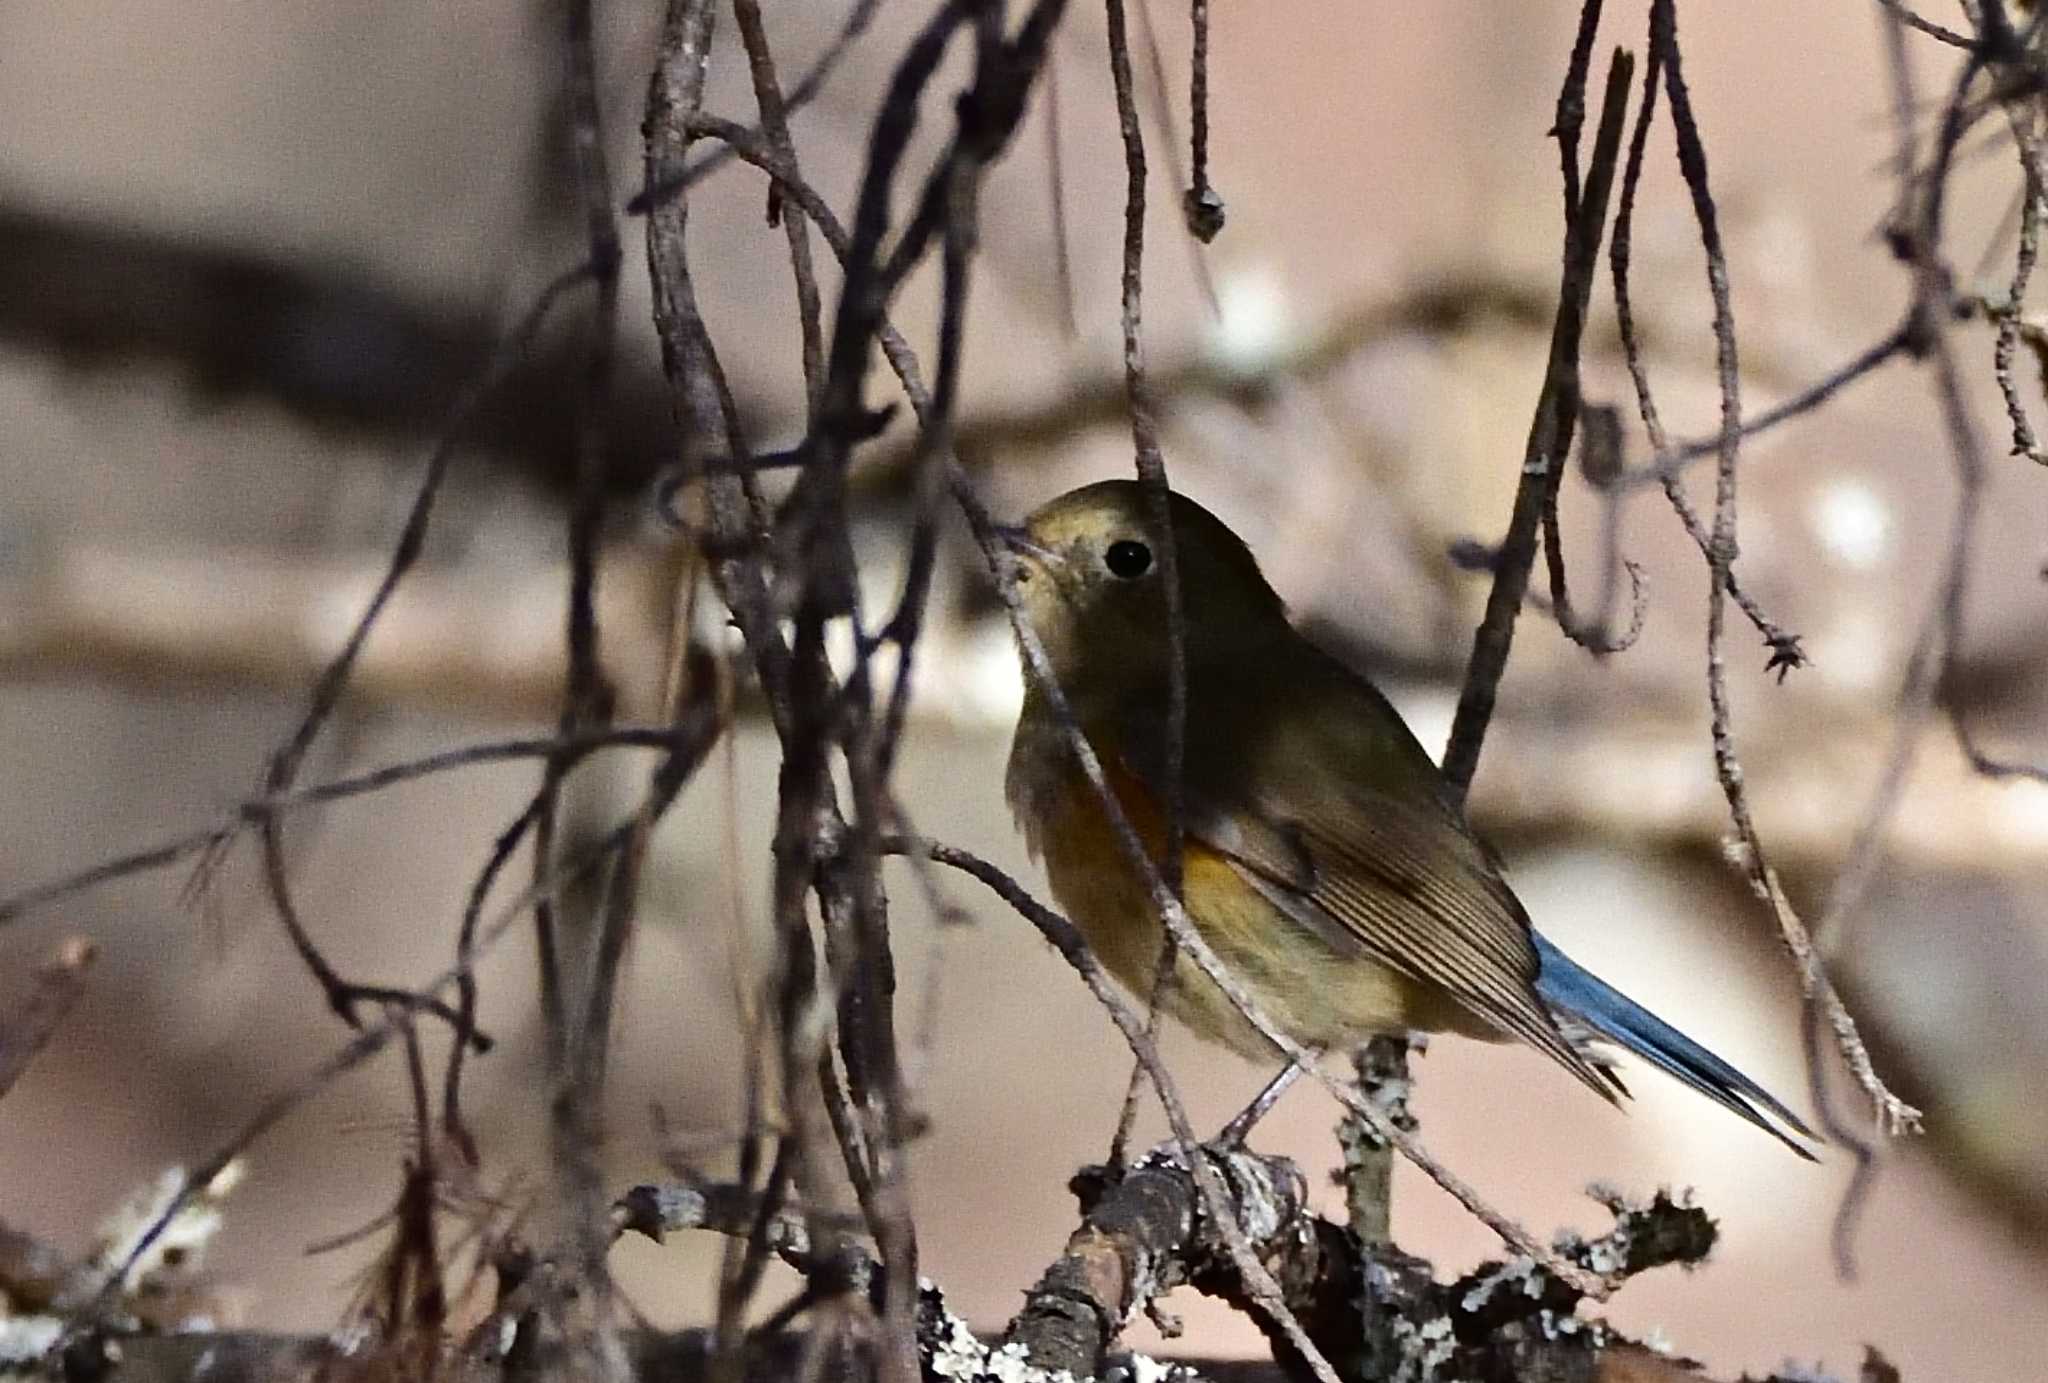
[[1916, 236], [502, 849], [1202, 205], [1550, 431], [1151, 467], [1056, 196], [1913, 20], [709, 425], [1198, 217], [812, 711], [855, 923], [576, 951], [774, 110], [1570, 118], [170, 852], [927, 408], [1786, 653], [1985, 763], [1815, 985], [31, 1020], [1599, 448], [285, 763], [1668, 464], [987, 116], [743, 1263], [2033, 190], [373, 1037], [858, 17]]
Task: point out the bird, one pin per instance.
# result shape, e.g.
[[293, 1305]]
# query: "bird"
[[1326, 859]]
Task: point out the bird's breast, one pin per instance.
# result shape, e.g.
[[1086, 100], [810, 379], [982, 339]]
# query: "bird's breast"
[[1320, 998]]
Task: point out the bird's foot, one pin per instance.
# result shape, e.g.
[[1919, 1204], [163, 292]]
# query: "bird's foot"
[[1233, 1134]]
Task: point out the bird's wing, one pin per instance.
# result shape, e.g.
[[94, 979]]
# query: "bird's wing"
[[1366, 857]]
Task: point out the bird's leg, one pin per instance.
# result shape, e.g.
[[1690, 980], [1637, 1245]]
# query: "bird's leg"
[[1239, 1128]]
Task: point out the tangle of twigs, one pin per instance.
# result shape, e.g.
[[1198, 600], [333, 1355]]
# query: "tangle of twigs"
[[828, 1112]]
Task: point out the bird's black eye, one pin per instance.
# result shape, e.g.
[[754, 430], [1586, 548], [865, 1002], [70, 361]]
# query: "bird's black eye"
[[1128, 559]]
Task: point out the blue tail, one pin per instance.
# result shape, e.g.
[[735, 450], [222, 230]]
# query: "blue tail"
[[1573, 992]]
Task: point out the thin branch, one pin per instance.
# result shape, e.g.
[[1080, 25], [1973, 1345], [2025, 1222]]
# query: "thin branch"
[[855, 924], [1917, 240], [748, 146], [653, 194], [1196, 217], [31, 1020], [502, 849], [1550, 431], [741, 1270], [2022, 118], [1815, 985], [1382, 1068], [1151, 463], [1906, 15], [576, 954], [1201, 205], [585, 700], [368, 1042], [1056, 195], [799, 686], [285, 763], [1599, 453], [1667, 465], [1151, 468], [1786, 653], [32, 900], [1570, 118], [1984, 763], [774, 110]]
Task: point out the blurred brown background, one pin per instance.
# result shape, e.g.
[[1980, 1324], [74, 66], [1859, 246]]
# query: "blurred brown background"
[[249, 253]]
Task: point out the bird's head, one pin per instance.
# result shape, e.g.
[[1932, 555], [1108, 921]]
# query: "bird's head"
[[1088, 566]]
